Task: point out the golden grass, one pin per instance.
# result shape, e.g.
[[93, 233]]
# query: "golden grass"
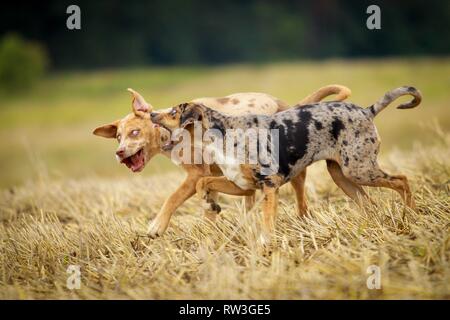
[[96, 223]]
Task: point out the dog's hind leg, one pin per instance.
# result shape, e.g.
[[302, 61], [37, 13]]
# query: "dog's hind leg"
[[298, 183], [351, 189], [360, 166], [398, 183], [373, 176]]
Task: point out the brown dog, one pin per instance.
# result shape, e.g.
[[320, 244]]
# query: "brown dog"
[[140, 140]]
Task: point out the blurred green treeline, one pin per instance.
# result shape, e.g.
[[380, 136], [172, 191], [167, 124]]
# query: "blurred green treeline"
[[129, 33], [22, 63]]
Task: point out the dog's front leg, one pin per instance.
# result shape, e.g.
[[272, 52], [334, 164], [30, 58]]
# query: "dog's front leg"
[[184, 192]]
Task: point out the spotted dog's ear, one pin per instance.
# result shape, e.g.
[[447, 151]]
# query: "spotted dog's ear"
[[190, 113]]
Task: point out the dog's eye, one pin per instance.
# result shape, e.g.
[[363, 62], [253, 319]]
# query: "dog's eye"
[[173, 112], [135, 132]]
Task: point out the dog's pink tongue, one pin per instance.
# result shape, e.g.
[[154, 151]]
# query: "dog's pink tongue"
[[137, 161]]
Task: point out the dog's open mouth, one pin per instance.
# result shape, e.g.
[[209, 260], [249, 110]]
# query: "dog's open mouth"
[[136, 162]]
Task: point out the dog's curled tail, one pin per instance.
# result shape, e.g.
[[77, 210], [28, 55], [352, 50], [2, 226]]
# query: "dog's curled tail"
[[341, 92], [393, 95]]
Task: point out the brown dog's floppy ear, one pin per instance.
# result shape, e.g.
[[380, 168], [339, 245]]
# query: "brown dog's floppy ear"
[[189, 114], [107, 131], [139, 105]]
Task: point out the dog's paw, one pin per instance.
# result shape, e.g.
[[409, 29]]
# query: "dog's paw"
[[211, 205], [156, 228]]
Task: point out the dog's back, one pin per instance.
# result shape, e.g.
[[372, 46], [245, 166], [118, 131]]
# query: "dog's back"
[[251, 102]]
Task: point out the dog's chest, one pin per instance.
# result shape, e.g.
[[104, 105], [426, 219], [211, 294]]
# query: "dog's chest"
[[230, 167]]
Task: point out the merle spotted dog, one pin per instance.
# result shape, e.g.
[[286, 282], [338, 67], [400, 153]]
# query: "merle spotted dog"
[[338, 131]]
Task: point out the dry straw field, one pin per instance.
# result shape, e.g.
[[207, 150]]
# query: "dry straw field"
[[96, 219]]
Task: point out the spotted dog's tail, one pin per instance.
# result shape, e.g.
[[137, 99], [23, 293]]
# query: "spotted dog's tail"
[[393, 95]]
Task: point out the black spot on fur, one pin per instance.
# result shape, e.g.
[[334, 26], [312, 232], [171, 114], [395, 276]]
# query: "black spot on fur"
[[336, 126], [372, 140], [318, 124], [357, 134], [189, 115], [346, 161], [255, 120], [262, 179], [215, 207], [304, 107], [269, 183], [345, 142], [293, 140], [258, 176]]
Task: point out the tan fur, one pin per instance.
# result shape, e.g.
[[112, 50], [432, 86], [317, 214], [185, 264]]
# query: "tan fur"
[[269, 210], [242, 103], [341, 93], [151, 138]]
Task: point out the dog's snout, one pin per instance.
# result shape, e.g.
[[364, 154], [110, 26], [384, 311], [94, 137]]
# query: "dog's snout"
[[120, 152]]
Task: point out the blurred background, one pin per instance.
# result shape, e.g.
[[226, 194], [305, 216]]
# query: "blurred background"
[[57, 84]]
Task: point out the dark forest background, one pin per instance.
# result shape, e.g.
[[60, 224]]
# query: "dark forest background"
[[126, 33]]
